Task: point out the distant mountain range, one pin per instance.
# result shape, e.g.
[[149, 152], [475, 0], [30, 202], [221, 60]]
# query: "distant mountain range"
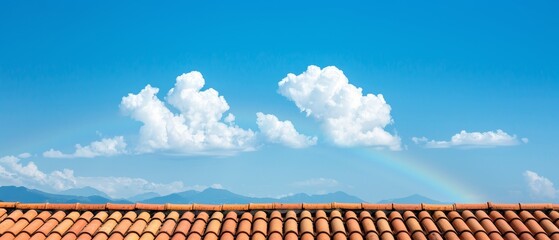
[[85, 192], [207, 196], [25, 195], [415, 198], [219, 196]]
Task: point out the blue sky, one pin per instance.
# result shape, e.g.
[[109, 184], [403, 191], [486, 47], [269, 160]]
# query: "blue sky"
[[442, 67]]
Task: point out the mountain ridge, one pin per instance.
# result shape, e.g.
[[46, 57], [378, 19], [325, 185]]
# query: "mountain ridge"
[[206, 196]]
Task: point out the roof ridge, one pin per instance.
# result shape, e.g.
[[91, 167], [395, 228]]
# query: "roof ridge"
[[281, 206]]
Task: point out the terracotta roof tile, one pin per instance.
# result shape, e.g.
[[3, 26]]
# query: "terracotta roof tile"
[[8, 204], [428, 224], [73, 232], [404, 207], [382, 224], [237, 207], [376, 206], [22, 222], [346, 206], [92, 226], [151, 229], [504, 206], [291, 236], [471, 206], [275, 224], [119, 207], [369, 228], [554, 216], [110, 224], [275, 236], [321, 223], [206, 207], [138, 226], [49, 225], [10, 220], [167, 228], [352, 223], [3, 214], [227, 236], [288, 206], [180, 228], [434, 207], [229, 223], [91, 207], [337, 224], [317, 206], [61, 206], [260, 206], [244, 225], [291, 225], [178, 207], [22, 236], [122, 227], [413, 225], [276, 221], [214, 226], [36, 223], [474, 226], [398, 226]]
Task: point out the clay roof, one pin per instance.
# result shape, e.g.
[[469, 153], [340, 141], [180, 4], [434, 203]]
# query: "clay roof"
[[276, 221]]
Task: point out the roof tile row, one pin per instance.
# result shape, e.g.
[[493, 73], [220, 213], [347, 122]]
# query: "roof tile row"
[[322, 224], [282, 206]]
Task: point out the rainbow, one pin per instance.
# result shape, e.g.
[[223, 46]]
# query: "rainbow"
[[421, 172]]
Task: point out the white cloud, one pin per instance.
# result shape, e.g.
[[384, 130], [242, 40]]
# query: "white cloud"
[[317, 182], [104, 147], [348, 117], [197, 129], [540, 186], [24, 155], [473, 140], [282, 132], [14, 172]]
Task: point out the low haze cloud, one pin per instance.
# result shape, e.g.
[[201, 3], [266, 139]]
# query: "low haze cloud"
[[466, 139], [105, 147]]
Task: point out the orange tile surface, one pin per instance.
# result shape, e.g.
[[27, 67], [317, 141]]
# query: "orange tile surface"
[[277, 221]]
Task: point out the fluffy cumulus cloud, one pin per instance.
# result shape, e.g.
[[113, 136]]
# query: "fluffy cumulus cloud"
[[540, 187], [473, 140], [200, 126], [13, 171], [282, 132], [105, 147], [348, 117]]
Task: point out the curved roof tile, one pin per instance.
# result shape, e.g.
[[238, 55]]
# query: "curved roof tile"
[[277, 221]]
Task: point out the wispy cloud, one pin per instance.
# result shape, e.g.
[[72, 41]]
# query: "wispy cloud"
[[348, 117], [317, 182], [24, 155], [282, 132], [103, 148], [540, 186], [473, 140]]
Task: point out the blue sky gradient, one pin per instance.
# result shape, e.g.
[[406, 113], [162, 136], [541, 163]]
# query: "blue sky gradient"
[[442, 66]]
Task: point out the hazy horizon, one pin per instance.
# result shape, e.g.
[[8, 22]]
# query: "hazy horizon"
[[449, 100]]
